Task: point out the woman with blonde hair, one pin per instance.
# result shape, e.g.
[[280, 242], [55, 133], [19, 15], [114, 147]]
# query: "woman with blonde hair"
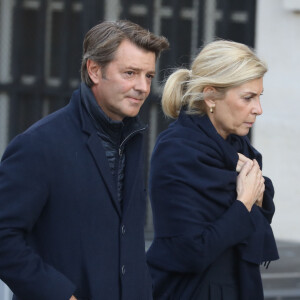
[[212, 207]]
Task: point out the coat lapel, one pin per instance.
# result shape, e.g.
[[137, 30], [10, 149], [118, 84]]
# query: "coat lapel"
[[133, 156], [96, 149], [95, 146]]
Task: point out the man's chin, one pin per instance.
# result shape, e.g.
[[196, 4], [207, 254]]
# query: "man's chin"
[[132, 113]]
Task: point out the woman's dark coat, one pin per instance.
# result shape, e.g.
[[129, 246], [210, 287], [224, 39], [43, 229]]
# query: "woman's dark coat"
[[62, 231], [199, 224]]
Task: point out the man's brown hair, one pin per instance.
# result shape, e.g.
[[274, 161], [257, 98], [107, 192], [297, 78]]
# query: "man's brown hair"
[[102, 41]]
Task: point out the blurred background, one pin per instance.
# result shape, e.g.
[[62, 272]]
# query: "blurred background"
[[40, 56]]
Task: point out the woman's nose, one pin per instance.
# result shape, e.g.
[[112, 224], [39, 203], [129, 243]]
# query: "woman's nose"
[[257, 108]]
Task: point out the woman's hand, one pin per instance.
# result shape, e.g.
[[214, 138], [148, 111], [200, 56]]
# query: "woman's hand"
[[260, 198], [250, 184], [242, 160]]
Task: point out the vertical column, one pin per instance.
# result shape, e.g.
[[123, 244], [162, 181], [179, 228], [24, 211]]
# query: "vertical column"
[[5, 39], [153, 113], [3, 122], [195, 27], [112, 9], [6, 7], [210, 20], [5, 77]]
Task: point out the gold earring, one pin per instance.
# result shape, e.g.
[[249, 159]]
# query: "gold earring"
[[211, 109]]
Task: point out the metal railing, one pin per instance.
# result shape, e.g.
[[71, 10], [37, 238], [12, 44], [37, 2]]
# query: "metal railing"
[[282, 286]]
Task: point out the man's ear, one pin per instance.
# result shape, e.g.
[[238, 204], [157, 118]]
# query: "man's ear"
[[208, 92], [94, 70]]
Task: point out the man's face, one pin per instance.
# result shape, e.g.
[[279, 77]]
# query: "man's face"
[[122, 87]]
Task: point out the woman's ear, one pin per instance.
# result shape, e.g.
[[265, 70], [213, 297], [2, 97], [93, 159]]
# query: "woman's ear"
[[208, 93], [94, 70]]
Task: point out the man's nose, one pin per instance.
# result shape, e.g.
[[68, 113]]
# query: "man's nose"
[[142, 84]]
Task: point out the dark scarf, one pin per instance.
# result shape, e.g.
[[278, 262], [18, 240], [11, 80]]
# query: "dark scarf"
[[192, 153], [193, 191], [263, 236], [260, 247]]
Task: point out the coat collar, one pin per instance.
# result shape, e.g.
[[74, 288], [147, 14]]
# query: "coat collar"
[[94, 144]]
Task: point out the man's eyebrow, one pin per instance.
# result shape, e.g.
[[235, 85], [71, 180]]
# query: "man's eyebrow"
[[139, 69]]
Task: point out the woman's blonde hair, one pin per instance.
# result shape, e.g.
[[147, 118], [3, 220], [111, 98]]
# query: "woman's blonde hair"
[[220, 64]]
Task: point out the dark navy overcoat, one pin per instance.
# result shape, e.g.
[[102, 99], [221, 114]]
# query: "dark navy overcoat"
[[61, 228], [207, 246]]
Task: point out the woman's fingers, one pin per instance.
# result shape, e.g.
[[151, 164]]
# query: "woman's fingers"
[[246, 168], [261, 191], [250, 184], [242, 160]]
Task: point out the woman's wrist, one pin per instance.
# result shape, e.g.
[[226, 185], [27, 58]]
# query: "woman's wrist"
[[247, 204]]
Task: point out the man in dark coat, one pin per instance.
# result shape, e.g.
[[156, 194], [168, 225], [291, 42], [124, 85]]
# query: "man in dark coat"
[[72, 201]]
